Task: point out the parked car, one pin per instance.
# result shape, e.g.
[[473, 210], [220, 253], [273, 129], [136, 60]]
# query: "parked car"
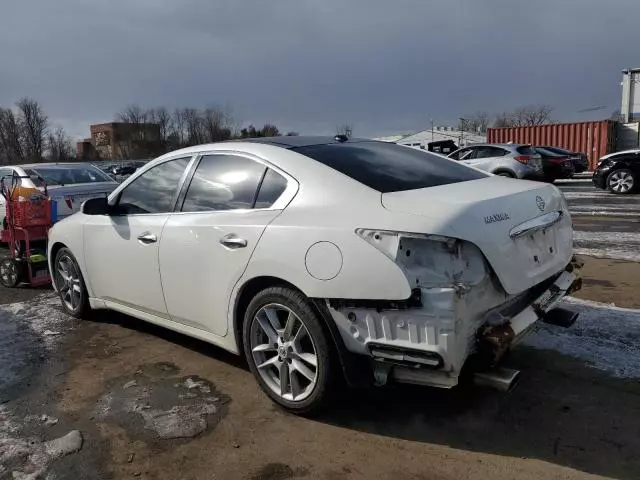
[[555, 165], [505, 160], [412, 265], [126, 168], [619, 172], [579, 159], [69, 184]]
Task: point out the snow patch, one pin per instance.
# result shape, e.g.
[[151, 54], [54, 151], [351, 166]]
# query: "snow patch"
[[43, 315], [606, 337]]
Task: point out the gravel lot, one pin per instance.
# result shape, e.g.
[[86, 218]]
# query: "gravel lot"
[[142, 402]]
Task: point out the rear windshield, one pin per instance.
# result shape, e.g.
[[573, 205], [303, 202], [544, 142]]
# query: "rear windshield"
[[388, 167], [526, 150], [67, 174], [558, 150], [548, 153]]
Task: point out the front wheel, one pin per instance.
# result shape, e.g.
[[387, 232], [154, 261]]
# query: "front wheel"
[[287, 349], [621, 181], [70, 284], [506, 174]]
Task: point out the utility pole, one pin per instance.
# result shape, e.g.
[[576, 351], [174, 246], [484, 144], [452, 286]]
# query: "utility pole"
[[462, 120], [432, 129]]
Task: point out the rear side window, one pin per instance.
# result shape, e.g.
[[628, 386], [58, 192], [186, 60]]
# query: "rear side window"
[[271, 188], [526, 150], [223, 182], [387, 167]]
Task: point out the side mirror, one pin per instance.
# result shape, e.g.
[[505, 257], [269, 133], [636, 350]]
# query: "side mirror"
[[96, 206]]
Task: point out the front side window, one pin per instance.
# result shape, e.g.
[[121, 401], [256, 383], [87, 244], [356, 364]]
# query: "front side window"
[[223, 182], [155, 190]]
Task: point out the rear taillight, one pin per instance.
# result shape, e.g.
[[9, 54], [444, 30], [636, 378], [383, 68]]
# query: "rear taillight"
[[523, 158], [558, 159]]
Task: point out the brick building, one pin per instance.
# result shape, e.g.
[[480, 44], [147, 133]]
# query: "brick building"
[[118, 140]]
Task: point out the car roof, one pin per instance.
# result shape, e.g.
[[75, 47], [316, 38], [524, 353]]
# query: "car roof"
[[294, 141], [50, 164], [504, 145]]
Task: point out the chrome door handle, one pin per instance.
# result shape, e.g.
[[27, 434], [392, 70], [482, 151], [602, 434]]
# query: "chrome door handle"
[[231, 241], [147, 238]]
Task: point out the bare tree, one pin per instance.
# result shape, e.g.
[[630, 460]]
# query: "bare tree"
[[477, 122], [193, 125], [177, 136], [215, 124], [10, 138], [59, 146], [345, 129], [34, 127], [161, 117], [525, 116], [269, 130], [133, 114]]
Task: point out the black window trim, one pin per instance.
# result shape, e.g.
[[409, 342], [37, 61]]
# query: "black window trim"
[[115, 199], [283, 200]]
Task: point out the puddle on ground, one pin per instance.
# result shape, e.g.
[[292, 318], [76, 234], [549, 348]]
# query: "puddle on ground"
[[156, 404]]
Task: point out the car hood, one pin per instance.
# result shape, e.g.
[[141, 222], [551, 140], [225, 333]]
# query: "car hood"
[[488, 212]]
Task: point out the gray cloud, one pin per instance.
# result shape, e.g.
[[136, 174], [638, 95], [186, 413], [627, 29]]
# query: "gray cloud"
[[309, 65]]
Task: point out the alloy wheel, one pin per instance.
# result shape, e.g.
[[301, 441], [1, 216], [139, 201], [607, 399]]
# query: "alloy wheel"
[[9, 272], [284, 352], [68, 282], [621, 182]]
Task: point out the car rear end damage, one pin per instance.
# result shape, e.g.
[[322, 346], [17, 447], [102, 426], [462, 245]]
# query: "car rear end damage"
[[474, 295], [443, 327]]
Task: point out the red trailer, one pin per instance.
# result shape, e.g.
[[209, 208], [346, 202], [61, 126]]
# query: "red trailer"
[[593, 138]]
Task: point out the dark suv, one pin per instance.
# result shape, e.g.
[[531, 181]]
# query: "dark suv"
[[619, 172]]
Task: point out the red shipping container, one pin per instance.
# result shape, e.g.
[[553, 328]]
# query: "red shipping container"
[[593, 138]]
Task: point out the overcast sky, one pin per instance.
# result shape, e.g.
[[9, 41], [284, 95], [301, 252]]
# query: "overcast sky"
[[383, 66]]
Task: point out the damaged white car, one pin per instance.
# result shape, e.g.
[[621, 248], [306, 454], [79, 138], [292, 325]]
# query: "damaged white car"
[[326, 257]]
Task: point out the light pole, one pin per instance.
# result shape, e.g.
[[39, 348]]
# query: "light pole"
[[462, 120]]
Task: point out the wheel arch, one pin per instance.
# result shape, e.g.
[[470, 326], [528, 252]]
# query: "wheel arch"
[[53, 251], [500, 170], [355, 368]]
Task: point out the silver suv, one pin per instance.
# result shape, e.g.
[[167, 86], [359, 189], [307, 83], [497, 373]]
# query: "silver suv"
[[507, 160]]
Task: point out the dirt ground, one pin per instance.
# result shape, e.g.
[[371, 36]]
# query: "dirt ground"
[[564, 421], [611, 281]]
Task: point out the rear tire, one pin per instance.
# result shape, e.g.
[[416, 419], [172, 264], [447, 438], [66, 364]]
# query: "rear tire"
[[506, 174], [288, 350], [622, 182], [70, 284], [9, 272]]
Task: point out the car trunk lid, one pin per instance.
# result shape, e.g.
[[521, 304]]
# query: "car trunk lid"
[[69, 198], [511, 221]]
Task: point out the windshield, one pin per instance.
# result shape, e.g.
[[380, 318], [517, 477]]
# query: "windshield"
[[388, 167], [66, 174]]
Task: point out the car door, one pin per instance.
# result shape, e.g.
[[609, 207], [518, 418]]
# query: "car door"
[[459, 154], [468, 156], [487, 158], [206, 246], [121, 249]]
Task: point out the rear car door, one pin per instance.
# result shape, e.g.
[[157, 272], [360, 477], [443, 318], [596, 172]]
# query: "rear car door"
[[206, 245], [486, 157], [121, 250]]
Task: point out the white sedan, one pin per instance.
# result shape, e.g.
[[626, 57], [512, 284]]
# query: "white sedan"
[[321, 258]]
